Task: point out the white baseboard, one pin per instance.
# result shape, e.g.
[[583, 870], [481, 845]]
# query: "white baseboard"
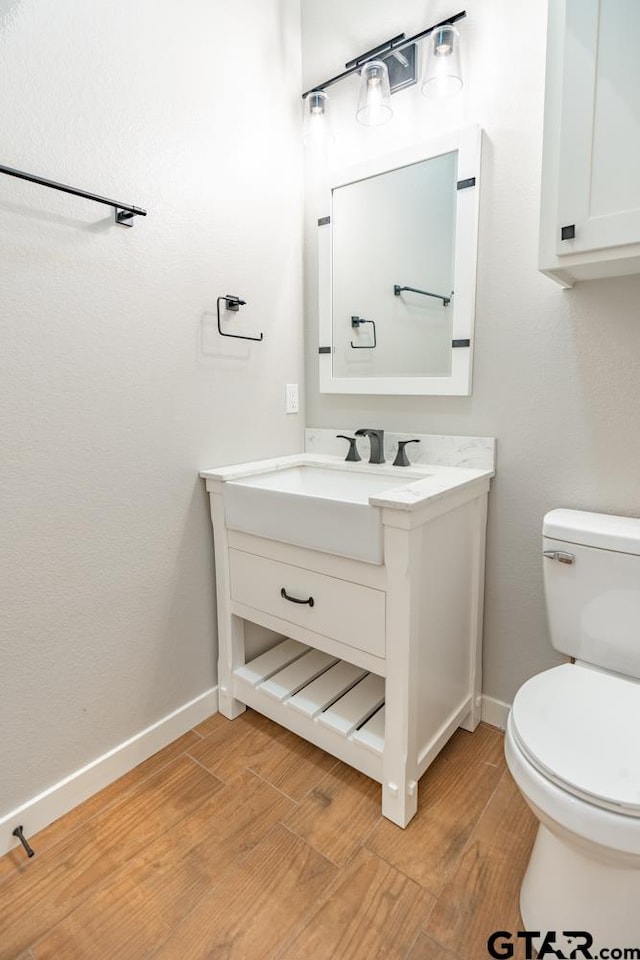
[[43, 809], [495, 712]]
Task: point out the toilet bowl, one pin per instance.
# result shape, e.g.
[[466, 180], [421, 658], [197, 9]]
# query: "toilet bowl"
[[572, 741], [584, 871]]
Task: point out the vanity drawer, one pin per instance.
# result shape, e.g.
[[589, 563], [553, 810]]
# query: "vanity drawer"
[[347, 612]]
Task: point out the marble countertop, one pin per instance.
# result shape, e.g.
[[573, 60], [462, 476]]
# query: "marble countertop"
[[425, 482], [446, 451]]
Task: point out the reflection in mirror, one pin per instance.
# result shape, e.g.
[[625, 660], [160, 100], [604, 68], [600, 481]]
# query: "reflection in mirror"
[[397, 263], [393, 235]]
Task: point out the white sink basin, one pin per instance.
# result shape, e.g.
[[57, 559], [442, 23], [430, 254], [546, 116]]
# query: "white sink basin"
[[324, 503], [330, 484], [321, 508]]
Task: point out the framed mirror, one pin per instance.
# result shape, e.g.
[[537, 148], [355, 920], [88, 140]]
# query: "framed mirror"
[[397, 271]]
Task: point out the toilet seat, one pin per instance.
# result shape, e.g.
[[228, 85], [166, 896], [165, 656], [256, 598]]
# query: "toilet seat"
[[579, 728]]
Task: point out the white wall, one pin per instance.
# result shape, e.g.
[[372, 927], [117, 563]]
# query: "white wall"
[[115, 388], [556, 373]]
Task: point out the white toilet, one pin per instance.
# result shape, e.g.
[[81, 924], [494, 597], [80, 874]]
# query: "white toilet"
[[573, 736]]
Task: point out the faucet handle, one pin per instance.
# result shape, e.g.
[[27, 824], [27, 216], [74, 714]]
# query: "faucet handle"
[[402, 460], [353, 454]]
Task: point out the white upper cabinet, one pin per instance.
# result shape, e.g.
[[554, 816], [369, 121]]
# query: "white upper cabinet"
[[590, 214]]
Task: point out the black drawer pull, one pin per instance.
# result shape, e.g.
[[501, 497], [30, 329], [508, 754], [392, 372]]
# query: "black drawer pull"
[[285, 596]]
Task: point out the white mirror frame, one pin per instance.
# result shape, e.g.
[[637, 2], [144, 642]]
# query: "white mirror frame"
[[467, 141]]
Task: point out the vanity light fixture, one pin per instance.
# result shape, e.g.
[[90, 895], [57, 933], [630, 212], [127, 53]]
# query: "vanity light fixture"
[[317, 119], [374, 102], [442, 75], [387, 68]]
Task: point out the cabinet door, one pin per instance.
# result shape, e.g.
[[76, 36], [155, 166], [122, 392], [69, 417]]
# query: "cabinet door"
[[599, 175]]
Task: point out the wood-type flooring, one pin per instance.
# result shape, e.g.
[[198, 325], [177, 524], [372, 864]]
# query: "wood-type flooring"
[[240, 841]]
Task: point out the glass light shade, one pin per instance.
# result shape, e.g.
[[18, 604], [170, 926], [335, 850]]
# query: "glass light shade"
[[442, 75], [374, 101], [317, 129]]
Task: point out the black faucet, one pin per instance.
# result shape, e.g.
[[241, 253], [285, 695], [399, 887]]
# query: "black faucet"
[[376, 439]]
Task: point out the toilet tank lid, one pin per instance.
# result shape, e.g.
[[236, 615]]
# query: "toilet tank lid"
[[601, 530]]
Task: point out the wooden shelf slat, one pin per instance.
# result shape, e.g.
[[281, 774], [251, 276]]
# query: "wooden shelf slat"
[[326, 689], [264, 666], [371, 733], [298, 674], [352, 710]]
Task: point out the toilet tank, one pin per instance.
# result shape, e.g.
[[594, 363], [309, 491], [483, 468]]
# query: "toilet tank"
[[592, 587]]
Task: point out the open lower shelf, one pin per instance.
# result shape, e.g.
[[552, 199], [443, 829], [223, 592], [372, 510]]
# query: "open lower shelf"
[[332, 703]]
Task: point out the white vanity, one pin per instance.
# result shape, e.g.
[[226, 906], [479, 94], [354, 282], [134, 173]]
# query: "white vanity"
[[371, 578]]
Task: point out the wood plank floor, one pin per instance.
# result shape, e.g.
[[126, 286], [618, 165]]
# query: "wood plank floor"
[[242, 842]]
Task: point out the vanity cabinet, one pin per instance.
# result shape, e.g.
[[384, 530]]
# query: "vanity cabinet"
[[384, 664], [590, 207]]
